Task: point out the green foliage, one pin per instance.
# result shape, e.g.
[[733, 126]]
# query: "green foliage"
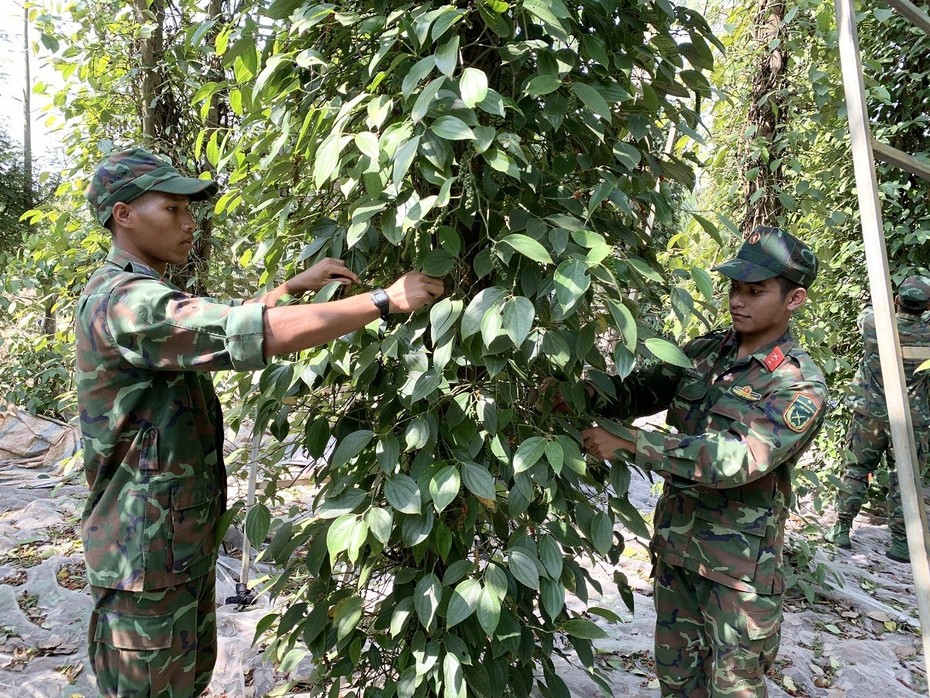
[[515, 151]]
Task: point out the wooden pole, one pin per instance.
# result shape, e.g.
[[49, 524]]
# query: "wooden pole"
[[889, 346]]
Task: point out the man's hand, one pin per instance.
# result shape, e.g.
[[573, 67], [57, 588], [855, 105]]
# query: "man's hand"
[[412, 291], [600, 443], [316, 277]]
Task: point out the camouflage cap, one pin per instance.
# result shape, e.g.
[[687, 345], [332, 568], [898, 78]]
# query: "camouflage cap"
[[915, 290], [770, 252], [129, 174]]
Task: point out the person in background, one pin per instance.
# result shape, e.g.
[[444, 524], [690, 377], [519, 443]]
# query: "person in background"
[[869, 436], [152, 426], [744, 414]]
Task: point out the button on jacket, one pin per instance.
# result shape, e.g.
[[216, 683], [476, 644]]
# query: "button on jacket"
[[151, 422], [741, 427]]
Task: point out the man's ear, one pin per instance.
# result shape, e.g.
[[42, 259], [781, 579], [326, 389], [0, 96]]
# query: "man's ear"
[[796, 298], [120, 213]]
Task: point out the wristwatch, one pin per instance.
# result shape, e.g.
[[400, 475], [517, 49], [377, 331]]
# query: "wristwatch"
[[380, 298]]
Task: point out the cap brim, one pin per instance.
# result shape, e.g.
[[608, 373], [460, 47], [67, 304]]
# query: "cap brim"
[[195, 189], [741, 270]]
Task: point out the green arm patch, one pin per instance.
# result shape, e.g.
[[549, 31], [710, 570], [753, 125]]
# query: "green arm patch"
[[800, 412]]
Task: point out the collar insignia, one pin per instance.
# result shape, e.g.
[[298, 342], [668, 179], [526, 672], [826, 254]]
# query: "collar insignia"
[[774, 359]]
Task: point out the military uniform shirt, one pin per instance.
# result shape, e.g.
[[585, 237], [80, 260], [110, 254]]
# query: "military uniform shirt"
[[868, 389], [151, 422], [742, 425]]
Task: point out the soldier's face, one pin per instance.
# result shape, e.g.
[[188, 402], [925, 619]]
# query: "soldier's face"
[[158, 228], [759, 308]]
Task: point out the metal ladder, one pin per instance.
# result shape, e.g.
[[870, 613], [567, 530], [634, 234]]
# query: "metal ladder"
[[865, 150]]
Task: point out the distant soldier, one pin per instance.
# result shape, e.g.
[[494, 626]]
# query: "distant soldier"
[[152, 425], [744, 415], [868, 437]]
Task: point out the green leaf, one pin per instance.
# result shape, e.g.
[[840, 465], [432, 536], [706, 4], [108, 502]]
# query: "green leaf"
[[543, 85], [257, 522], [401, 615], [402, 493], [709, 228], [380, 522], [326, 163], [473, 86], [553, 597], [517, 317], [489, 611], [528, 247], [624, 321], [528, 453], [474, 313], [628, 155], [500, 161], [478, 480], [495, 580], [703, 282], [339, 535], [350, 447], [403, 158], [425, 99], [550, 554], [630, 517], [667, 352], [523, 568], [453, 679], [447, 56], [452, 128], [345, 503], [420, 70], [463, 602], [571, 283], [444, 487], [583, 628], [426, 599], [593, 100], [347, 614], [602, 533]]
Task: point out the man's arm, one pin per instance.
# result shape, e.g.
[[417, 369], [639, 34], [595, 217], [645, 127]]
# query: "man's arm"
[[291, 328], [316, 277]]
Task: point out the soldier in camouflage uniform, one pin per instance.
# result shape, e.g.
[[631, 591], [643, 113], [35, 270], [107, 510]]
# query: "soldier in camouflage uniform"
[[743, 414], [868, 437], [152, 426]]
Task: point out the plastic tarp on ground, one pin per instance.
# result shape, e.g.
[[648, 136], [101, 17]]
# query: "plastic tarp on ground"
[[28, 441]]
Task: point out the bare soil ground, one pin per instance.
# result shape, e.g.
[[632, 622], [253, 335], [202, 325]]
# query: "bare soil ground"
[[860, 641]]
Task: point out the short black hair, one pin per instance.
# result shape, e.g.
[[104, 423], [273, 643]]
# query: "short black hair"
[[787, 285]]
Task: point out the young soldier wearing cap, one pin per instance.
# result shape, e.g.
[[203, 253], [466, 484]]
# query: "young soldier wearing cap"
[[152, 425], [744, 414], [868, 436]]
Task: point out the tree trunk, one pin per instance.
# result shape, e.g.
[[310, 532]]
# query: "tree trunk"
[[767, 115]]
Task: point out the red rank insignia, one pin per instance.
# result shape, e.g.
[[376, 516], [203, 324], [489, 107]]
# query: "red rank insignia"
[[774, 359]]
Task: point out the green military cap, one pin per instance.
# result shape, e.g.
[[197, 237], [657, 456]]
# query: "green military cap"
[[914, 289], [770, 252], [129, 174]]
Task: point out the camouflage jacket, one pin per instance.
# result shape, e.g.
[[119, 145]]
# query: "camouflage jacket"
[[741, 427], [867, 388], [151, 422]]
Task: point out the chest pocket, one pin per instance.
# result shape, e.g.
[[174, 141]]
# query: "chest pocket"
[[689, 397]]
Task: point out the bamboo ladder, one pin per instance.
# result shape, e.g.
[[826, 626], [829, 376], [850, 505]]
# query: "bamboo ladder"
[[865, 149]]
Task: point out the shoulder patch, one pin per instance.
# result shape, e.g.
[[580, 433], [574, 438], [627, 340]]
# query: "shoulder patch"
[[800, 412]]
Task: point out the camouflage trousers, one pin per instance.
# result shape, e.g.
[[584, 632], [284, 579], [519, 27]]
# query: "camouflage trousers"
[[144, 644], [711, 640], [867, 440]]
